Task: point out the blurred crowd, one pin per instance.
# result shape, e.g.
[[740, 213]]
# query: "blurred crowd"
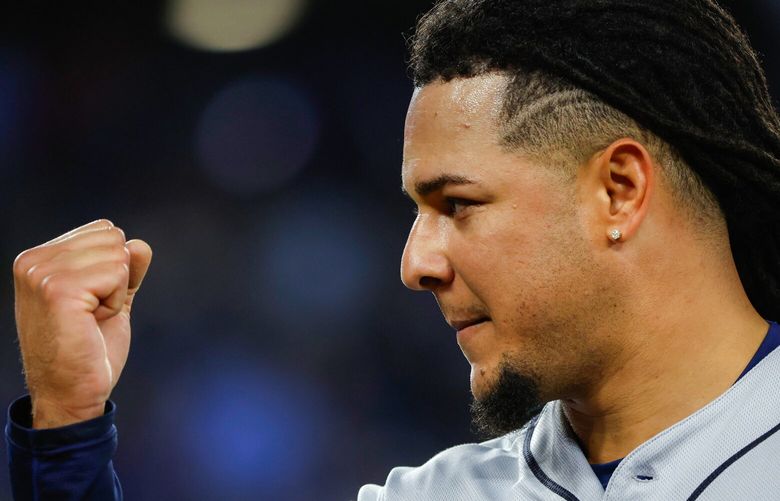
[[256, 146]]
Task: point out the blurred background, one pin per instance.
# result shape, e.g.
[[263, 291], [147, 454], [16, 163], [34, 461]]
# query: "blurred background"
[[256, 145]]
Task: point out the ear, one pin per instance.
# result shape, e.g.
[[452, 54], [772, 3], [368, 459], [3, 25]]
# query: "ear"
[[621, 182]]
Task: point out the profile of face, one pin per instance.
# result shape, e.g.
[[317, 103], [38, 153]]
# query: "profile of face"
[[500, 241]]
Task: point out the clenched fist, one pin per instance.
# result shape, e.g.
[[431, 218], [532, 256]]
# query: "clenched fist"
[[73, 300]]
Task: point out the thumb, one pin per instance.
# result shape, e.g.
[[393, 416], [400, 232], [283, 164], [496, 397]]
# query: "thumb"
[[140, 258]]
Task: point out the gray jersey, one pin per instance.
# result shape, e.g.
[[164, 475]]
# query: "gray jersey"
[[726, 451]]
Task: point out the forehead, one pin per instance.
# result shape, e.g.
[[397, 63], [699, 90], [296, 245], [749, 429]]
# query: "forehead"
[[452, 125], [456, 104]]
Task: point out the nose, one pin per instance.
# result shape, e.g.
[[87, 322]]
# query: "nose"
[[424, 264]]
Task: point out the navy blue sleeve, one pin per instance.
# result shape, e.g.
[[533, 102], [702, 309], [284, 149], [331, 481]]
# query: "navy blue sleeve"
[[68, 463]]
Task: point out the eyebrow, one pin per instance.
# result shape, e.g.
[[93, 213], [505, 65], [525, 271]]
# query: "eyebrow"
[[425, 188]]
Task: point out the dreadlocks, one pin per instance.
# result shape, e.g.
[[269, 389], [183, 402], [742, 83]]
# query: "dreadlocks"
[[681, 69]]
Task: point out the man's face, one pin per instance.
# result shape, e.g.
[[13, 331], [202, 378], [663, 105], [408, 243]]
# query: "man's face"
[[498, 240]]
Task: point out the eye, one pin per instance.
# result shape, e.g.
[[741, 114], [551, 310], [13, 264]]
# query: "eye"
[[456, 206]]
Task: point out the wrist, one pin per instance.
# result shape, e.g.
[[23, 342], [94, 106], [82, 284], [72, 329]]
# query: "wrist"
[[46, 414]]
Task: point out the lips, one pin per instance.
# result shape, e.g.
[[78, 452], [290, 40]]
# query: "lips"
[[459, 325]]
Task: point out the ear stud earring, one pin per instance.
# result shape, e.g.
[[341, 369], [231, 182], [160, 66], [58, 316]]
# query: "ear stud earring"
[[615, 234]]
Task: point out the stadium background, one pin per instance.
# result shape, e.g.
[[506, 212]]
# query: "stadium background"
[[256, 146]]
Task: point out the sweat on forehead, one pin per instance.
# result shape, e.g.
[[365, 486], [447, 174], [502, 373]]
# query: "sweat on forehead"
[[473, 99]]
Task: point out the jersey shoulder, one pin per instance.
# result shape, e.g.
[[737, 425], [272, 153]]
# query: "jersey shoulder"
[[460, 472]]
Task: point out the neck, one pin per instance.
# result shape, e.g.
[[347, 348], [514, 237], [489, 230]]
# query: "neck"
[[673, 367]]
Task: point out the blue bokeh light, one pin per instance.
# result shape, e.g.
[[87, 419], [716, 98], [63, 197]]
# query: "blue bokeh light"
[[250, 427], [256, 135]]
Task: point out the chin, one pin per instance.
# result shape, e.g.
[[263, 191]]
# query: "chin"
[[482, 380], [504, 399]]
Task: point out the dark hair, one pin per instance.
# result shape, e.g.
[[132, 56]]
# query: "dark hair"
[[679, 68]]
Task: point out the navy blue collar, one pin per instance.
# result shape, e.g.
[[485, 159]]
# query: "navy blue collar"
[[771, 341]]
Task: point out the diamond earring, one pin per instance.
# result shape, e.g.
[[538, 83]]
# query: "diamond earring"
[[615, 234]]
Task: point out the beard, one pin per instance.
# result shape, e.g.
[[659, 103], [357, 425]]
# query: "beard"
[[511, 402]]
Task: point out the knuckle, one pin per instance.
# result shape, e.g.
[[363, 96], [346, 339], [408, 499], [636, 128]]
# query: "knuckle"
[[123, 254], [120, 270], [50, 288], [111, 254], [36, 274], [23, 262], [117, 235]]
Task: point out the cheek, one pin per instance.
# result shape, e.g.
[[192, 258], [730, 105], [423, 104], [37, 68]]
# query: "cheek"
[[498, 261], [526, 271], [488, 266]]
